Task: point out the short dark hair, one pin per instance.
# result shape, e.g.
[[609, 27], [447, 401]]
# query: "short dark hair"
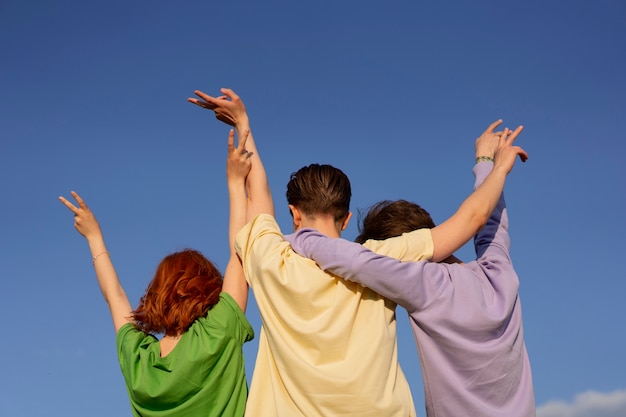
[[320, 189], [387, 219]]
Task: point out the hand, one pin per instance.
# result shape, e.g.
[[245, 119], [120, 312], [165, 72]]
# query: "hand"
[[487, 143], [238, 163], [84, 220], [228, 108], [506, 153]]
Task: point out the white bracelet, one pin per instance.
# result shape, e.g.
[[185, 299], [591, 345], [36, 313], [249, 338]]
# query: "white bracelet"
[[93, 261]]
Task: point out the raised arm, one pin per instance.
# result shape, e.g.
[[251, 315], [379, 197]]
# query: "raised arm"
[[237, 168], [230, 109], [87, 225], [476, 209], [494, 237]]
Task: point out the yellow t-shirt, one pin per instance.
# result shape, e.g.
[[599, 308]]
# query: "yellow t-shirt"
[[327, 347]]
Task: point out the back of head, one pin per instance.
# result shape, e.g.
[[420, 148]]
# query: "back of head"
[[387, 219], [320, 189], [186, 285]]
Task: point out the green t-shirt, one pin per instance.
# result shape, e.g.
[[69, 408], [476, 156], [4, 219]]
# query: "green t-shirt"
[[203, 376]]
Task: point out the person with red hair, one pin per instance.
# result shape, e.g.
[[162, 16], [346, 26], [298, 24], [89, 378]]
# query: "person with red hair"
[[197, 366]]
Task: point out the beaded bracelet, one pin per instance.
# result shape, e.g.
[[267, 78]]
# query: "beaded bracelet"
[[483, 158], [93, 261]]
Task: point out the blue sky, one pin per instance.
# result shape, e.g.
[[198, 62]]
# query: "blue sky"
[[93, 99]]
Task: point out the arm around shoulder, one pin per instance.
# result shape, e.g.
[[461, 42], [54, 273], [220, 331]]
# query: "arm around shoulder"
[[401, 282]]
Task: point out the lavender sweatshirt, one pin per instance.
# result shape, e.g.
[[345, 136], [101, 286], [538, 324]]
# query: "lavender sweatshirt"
[[466, 318]]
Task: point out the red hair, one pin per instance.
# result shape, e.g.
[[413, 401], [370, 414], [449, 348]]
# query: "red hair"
[[186, 285]]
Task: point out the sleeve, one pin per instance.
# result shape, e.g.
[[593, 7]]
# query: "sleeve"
[[409, 247], [128, 342], [494, 235], [227, 315], [481, 170], [492, 244], [257, 243], [401, 282]]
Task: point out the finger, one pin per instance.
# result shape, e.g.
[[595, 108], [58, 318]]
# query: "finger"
[[80, 201], [224, 119], [229, 93], [515, 134], [523, 155], [242, 140], [209, 99], [503, 136], [202, 95], [231, 140], [196, 101], [202, 104], [69, 205], [492, 126]]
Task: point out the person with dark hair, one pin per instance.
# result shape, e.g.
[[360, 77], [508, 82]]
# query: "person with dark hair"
[[387, 219], [466, 318], [311, 360], [327, 346], [197, 367]]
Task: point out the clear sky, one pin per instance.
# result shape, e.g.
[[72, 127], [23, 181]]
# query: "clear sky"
[[93, 99]]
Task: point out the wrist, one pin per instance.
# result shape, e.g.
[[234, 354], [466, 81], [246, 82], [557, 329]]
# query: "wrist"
[[499, 169], [95, 240], [242, 124], [96, 243], [95, 257], [484, 158], [236, 183]]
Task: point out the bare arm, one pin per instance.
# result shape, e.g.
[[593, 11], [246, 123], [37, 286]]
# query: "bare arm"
[[237, 168], [87, 225], [230, 109], [476, 209]]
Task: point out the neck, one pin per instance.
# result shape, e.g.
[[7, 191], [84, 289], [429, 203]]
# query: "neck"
[[325, 225]]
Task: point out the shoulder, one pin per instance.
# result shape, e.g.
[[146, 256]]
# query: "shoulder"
[[263, 221], [227, 315], [226, 306], [129, 339], [129, 331], [261, 238], [261, 225]]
